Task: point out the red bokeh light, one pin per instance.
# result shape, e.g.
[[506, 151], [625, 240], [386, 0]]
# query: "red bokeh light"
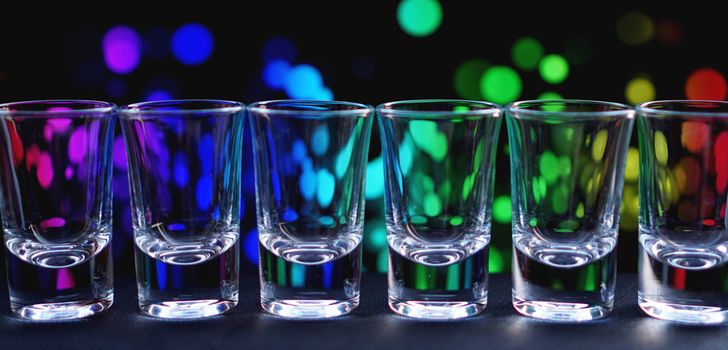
[[706, 84]]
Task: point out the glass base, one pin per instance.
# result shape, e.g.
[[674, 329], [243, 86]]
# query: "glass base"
[[692, 314], [437, 310], [310, 309], [188, 308], [558, 311], [62, 311]]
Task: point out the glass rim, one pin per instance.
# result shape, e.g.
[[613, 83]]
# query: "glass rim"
[[137, 109], [262, 107], [489, 108], [643, 108], [624, 110], [104, 108]]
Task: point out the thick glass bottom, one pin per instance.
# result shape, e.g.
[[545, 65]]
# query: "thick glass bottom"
[[437, 310], [692, 314], [561, 311], [187, 309], [62, 311], [309, 309]]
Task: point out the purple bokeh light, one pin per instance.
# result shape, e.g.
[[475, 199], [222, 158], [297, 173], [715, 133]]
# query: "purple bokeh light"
[[122, 49]]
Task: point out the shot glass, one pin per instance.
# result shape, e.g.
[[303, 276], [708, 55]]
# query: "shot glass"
[[184, 180], [439, 169], [683, 275], [310, 162], [567, 166], [55, 168]]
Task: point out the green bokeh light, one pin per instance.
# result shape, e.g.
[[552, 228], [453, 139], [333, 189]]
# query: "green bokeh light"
[[383, 260], [635, 28], [433, 205], [526, 53], [427, 137], [554, 107], [578, 51], [456, 220], [375, 237], [467, 78], [496, 261], [549, 167], [502, 209], [554, 69], [419, 18], [500, 84]]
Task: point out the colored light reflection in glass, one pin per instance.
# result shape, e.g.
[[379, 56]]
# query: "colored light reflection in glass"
[[635, 28], [500, 84], [553, 69], [467, 78], [706, 84], [419, 18], [639, 90], [122, 49], [192, 44], [502, 211], [526, 53]]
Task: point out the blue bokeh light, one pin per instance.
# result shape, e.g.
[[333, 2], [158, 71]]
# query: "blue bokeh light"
[[192, 44], [303, 81], [251, 246], [158, 95], [278, 48], [275, 73]]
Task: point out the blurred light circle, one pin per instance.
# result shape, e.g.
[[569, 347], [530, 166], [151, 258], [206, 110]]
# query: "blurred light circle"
[[639, 90], [669, 32], [303, 81], [526, 53], [500, 84], [122, 47], [158, 95], [635, 28], [275, 73], [467, 78], [553, 69], [706, 84], [278, 48], [419, 18], [192, 44]]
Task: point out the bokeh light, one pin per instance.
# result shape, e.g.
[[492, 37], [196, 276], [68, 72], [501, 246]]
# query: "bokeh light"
[[158, 95], [122, 49], [669, 32], [639, 90], [467, 78], [419, 18], [192, 44], [553, 69], [635, 28], [279, 48], [578, 51], [706, 84], [303, 81], [500, 84], [502, 211], [632, 168], [275, 73], [375, 178], [526, 53]]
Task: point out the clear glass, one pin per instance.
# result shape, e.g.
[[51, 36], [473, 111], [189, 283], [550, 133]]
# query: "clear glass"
[[439, 169], [567, 167], [310, 162], [55, 168], [184, 179], [683, 275]]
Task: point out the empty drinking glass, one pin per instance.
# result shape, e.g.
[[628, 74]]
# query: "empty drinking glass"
[[55, 168], [184, 178], [310, 160], [683, 275], [439, 169], [567, 166]]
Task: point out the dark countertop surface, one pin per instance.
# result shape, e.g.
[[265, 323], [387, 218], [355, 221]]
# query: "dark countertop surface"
[[371, 326]]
